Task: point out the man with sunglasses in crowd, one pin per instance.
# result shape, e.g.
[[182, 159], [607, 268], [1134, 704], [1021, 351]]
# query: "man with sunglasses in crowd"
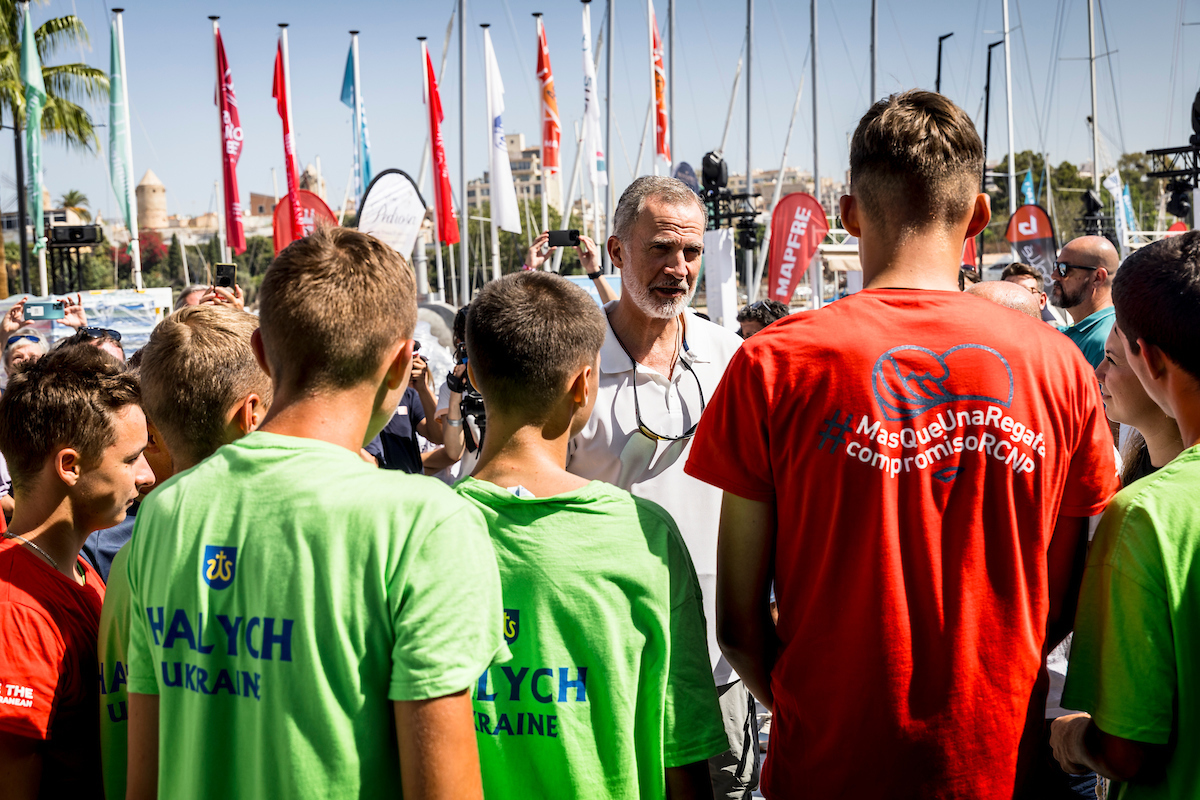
[[659, 364], [1082, 287]]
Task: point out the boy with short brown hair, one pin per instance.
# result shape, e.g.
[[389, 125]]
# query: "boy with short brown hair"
[[298, 614], [609, 693], [73, 434], [932, 488]]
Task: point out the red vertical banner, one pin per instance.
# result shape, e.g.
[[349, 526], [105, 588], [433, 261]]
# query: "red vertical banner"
[[662, 143], [231, 137], [551, 129], [279, 92], [443, 201], [798, 227]]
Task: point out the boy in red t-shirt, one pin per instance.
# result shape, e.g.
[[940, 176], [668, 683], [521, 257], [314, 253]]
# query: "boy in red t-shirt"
[[913, 468], [73, 433]]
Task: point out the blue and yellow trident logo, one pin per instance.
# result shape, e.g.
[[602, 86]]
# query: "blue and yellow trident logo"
[[220, 565]]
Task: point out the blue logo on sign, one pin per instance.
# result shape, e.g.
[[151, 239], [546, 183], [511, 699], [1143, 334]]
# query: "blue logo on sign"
[[220, 565]]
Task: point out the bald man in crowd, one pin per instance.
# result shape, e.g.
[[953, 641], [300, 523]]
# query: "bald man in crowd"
[[1083, 280], [1009, 295]]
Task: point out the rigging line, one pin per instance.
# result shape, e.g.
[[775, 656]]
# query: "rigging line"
[[762, 85], [711, 46], [1029, 73], [512, 28], [845, 46], [1111, 78], [687, 76], [1175, 59], [1060, 23], [903, 49], [783, 48]]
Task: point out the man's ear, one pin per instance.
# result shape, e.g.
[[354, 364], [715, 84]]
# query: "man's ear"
[[981, 215], [68, 464], [849, 209], [1100, 276], [154, 440], [1152, 355], [614, 252], [399, 369], [248, 413], [260, 355]]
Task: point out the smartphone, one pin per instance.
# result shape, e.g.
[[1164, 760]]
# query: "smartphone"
[[52, 309], [226, 275], [564, 238]]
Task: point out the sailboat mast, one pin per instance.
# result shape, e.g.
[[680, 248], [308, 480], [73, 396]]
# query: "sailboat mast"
[[1012, 156], [1095, 126], [748, 253]]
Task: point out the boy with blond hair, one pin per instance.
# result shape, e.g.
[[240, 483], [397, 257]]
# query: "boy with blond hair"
[[609, 693], [295, 629]]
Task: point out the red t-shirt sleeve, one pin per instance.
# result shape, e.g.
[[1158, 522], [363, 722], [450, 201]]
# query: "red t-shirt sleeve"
[[1092, 477], [731, 449], [30, 663]]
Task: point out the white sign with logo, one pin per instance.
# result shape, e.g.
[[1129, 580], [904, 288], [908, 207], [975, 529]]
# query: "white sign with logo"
[[392, 211]]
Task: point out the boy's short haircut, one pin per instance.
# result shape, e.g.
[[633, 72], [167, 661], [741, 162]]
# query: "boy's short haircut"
[[1157, 293], [915, 162], [65, 399], [196, 365], [526, 334], [331, 304], [1018, 268]]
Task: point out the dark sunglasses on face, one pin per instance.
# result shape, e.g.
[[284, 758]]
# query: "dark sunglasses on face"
[[101, 333], [1060, 268]]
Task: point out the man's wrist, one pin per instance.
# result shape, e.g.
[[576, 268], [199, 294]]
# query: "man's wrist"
[[595, 275]]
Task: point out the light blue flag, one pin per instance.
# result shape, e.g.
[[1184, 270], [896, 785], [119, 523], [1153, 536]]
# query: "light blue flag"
[[1027, 189], [362, 161], [120, 171], [35, 101]]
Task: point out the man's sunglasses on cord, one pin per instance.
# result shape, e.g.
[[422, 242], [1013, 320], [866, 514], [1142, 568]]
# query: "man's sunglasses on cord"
[[637, 409], [1060, 268]]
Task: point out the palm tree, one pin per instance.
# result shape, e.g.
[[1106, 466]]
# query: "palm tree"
[[63, 119], [76, 201]]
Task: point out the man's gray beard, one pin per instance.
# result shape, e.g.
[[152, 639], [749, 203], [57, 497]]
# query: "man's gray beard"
[[669, 309]]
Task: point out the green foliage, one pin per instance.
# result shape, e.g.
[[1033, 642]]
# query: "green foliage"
[[174, 266], [67, 85]]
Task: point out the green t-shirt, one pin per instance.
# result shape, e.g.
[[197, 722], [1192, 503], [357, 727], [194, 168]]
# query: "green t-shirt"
[[113, 646], [282, 592], [1135, 659], [610, 680], [1091, 332]]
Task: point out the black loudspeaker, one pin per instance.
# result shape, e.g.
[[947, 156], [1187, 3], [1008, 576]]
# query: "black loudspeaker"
[[76, 234]]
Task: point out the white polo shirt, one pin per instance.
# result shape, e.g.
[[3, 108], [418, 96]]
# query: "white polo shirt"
[[610, 448]]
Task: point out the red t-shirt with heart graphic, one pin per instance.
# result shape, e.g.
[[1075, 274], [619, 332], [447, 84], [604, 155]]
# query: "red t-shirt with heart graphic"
[[919, 446]]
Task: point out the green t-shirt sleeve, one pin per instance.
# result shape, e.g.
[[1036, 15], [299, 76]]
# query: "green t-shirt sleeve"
[[1122, 667], [692, 726], [141, 664], [447, 615]]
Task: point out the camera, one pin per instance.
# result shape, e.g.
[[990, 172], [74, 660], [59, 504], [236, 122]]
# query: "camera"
[[471, 404]]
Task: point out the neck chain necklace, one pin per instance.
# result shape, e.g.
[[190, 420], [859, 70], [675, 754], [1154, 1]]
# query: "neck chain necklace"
[[45, 555]]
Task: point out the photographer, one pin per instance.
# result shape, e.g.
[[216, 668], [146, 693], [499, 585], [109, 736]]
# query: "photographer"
[[460, 411], [396, 446], [589, 261]]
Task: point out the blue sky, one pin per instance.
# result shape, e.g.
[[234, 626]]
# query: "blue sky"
[[1144, 99]]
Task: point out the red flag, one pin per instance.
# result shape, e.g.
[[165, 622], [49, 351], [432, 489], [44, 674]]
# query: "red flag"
[[551, 130], [279, 92], [443, 202], [798, 226], [1032, 234], [970, 256], [662, 143], [231, 136], [313, 212], [1177, 228]]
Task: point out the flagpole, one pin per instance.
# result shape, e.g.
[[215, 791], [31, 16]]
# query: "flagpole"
[[464, 296], [537, 16], [221, 240], [356, 123], [487, 74], [135, 246], [608, 194], [437, 241], [653, 91], [671, 71]]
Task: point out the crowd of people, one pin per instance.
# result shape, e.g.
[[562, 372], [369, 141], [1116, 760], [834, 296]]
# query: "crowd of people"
[[948, 547]]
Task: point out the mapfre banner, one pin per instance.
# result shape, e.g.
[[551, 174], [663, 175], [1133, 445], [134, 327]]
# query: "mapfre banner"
[[1031, 233], [798, 227]]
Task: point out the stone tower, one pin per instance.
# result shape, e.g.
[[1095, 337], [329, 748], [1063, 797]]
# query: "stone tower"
[[151, 202]]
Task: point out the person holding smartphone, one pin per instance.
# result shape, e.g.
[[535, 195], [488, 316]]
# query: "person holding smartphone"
[[589, 260]]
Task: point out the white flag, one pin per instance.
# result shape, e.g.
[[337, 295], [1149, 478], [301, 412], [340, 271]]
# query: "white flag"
[[1113, 184], [505, 212], [594, 146]]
